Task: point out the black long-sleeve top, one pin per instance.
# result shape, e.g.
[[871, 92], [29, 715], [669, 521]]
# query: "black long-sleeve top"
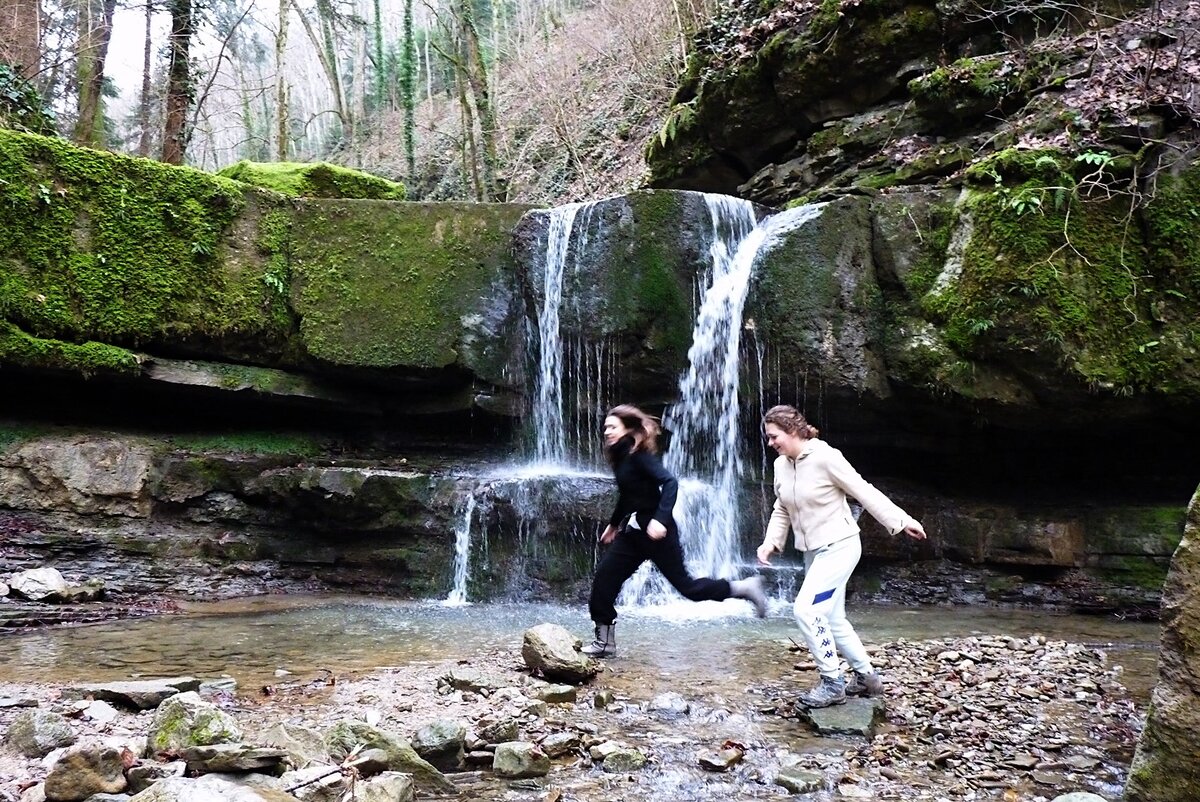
[[644, 486]]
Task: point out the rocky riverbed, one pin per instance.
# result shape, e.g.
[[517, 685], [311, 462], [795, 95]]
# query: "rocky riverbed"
[[985, 717]]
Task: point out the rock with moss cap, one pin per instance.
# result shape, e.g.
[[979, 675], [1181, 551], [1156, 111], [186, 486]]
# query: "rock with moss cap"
[[346, 736], [314, 180], [186, 720]]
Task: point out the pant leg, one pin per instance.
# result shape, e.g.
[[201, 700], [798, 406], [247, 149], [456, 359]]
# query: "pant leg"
[[618, 564], [667, 555], [827, 570], [844, 636]]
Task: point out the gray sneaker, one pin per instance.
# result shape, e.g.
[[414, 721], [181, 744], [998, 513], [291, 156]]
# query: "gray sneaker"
[[865, 685], [827, 692]]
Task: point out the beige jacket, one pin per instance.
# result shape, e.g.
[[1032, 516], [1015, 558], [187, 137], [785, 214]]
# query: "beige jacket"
[[810, 498]]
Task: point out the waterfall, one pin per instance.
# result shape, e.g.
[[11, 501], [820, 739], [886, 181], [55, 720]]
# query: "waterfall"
[[549, 409], [462, 556], [706, 449]]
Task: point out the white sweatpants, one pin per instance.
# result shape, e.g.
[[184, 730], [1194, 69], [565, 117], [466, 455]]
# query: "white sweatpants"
[[820, 607]]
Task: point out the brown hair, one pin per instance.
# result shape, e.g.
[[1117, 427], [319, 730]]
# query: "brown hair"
[[645, 429], [791, 420]]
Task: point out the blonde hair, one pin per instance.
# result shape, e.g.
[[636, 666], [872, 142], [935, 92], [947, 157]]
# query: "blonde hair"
[[791, 420], [644, 428]]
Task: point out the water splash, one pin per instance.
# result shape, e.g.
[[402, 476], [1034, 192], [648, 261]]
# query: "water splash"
[[706, 451]]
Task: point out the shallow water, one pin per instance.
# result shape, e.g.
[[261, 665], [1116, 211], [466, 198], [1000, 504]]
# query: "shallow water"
[[251, 639]]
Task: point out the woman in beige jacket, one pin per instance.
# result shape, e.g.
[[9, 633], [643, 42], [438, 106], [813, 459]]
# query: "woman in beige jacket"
[[812, 483]]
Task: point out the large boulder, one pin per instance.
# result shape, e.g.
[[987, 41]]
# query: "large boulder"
[[90, 475], [555, 653], [37, 733], [1166, 765], [38, 584], [186, 720], [344, 737], [207, 789], [85, 769]]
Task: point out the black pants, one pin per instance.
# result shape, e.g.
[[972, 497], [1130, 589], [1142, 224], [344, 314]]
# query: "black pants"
[[626, 554]]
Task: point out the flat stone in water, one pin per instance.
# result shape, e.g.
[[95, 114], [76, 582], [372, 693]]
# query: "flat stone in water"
[[800, 781], [139, 695], [856, 717]]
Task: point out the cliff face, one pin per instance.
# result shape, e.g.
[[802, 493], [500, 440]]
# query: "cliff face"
[[791, 97]]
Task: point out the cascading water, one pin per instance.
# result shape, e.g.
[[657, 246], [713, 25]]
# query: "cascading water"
[[706, 450], [566, 246], [462, 555]]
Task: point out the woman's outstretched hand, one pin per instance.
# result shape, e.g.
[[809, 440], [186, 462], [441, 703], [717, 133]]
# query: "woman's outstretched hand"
[[655, 530], [915, 531], [764, 553], [608, 535]]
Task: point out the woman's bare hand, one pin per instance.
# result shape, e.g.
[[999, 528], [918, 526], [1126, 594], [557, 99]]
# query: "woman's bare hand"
[[915, 531], [764, 553], [655, 530], [608, 535]]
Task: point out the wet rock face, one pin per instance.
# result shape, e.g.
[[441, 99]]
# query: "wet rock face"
[[1166, 767]]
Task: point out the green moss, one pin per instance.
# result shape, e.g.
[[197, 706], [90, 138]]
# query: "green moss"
[[97, 246], [250, 442], [319, 180], [89, 358], [386, 285], [1057, 278], [1173, 229], [660, 295]]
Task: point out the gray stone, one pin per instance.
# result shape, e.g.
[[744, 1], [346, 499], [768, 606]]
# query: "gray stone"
[[667, 706], [39, 732], [390, 786], [1168, 752], [227, 757], [369, 762], [602, 750], [344, 737], [855, 717], [38, 584], [85, 475], [556, 694], [315, 783], [85, 769], [442, 743], [497, 730], [623, 760], [13, 701], [602, 699], [554, 652], [136, 695], [800, 781], [1079, 796], [464, 678], [304, 746], [187, 720], [520, 759], [207, 789], [143, 775], [722, 760], [560, 743], [108, 798]]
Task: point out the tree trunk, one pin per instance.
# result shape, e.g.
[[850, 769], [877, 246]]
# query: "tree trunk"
[[380, 66], [327, 56], [21, 35], [95, 31], [281, 87], [408, 88], [476, 74], [143, 115], [179, 81]]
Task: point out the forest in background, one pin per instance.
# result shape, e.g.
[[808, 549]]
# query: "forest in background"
[[520, 100]]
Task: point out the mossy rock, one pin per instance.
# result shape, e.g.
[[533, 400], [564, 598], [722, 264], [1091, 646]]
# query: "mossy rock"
[[128, 252], [186, 720], [344, 737], [315, 180]]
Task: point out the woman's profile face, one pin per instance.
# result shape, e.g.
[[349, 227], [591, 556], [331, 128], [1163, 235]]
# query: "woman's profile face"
[[785, 443], [614, 429]]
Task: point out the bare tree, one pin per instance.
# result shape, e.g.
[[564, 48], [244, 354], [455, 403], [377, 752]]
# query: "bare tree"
[[95, 20], [179, 81], [21, 35]]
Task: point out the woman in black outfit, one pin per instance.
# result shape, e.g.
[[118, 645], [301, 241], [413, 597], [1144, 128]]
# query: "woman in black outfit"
[[641, 528]]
